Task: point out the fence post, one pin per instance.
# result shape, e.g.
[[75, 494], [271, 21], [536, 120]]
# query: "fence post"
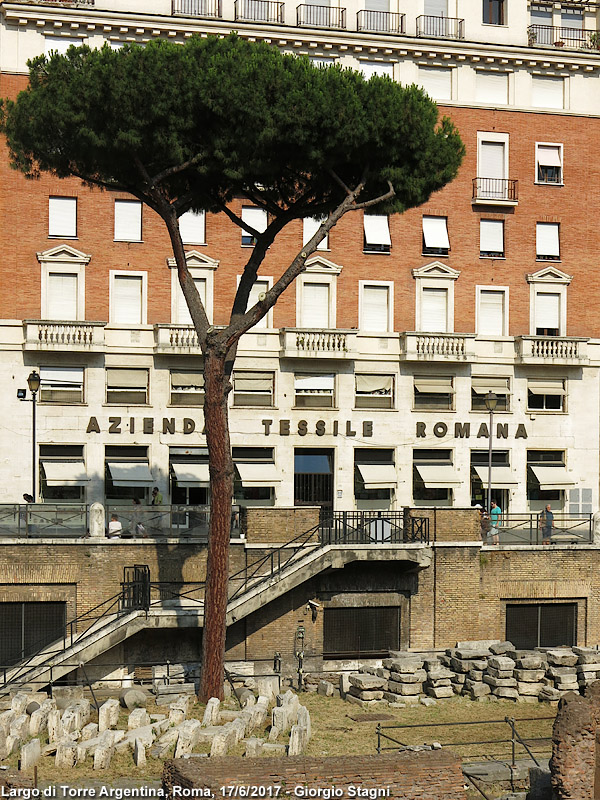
[[378, 729]]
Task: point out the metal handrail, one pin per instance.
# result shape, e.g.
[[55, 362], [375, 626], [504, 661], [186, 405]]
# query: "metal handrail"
[[380, 21], [440, 27], [500, 189]]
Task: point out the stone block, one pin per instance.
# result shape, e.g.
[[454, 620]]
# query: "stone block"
[[19, 702], [472, 653], [6, 717], [427, 701], [501, 663], [108, 715], [189, 735], [499, 673], [89, 731], [549, 694], [464, 665], [439, 691], [588, 667], [406, 689], [176, 716], [30, 754], [461, 677], [477, 643], [66, 755], [506, 692], [441, 682], [562, 657], [529, 675], [344, 685], [103, 754], [439, 673], [298, 740], [526, 688], [406, 665], [254, 747], [531, 662], [479, 690], [366, 695], [139, 718], [133, 697], [382, 673], [211, 712], [476, 675], [19, 728], [561, 672], [325, 688], [65, 695], [358, 702], [367, 682], [139, 754], [500, 682], [221, 743], [304, 720], [501, 648], [268, 686], [271, 749], [38, 721], [587, 655], [418, 676]]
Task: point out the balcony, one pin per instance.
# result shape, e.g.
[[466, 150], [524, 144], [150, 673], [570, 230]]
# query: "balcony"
[[495, 191], [380, 22], [571, 38], [440, 27], [176, 339], [437, 346], [196, 8], [74, 336], [258, 11], [317, 343], [320, 17], [560, 350]]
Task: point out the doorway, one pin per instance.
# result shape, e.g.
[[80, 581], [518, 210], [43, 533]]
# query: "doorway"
[[313, 477]]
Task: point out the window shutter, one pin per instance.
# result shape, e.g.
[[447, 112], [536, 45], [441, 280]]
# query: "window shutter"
[[571, 18], [546, 239], [369, 68], [183, 313], [59, 44], [377, 229], [541, 15], [436, 8], [128, 221], [62, 216], [435, 232], [126, 378], [62, 296], [491, 313], [491, 87], [377, 5], [547, 310], [310, 226], [127, 300], [260, 287], [547, 92], [375, 308], [491, 160], [434, 310], [192, 227], [491, 236], [437, 82], [255, 217], [315, 305], [314, 383], [548, 155]]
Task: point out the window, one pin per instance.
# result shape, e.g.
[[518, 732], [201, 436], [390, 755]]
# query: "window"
[[546, 395], [190, 482], [192, 227], [547, 313], [62, 296], [547, 241], [370, 68], [433, 393], [63, 476], [127, 386], [375, 307], [128, 298], [187, 388], [61, 385], [59, 44], [492, 167], [547, 92], [315, 305], [374, 476], [28, 627], [548, 163], [310, 226], [491, 311], [360, 632], [433, 476], [500, 458], [548, 301], [202, 268], [314, 390], [183, 313], [491, 238], [480, 386], [253, 388], [126, 475], [530, 625], [493, 12], [374, 391], [62, 217], [260, 287], [255, 475], [434, 310], [436, 81], [491, 88], [435, 236], [128, 221], [256, 218], [554, 458], [547, 478], [377, 233]]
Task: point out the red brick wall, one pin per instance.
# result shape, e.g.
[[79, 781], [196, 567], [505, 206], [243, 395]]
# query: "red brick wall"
[[24, 208]]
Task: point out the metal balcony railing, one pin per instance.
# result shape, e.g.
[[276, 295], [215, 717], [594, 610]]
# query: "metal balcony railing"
[[380, 22], [500, 189], [196, 8], [320, 16], [572, 38], [440, 27], [258, 11]]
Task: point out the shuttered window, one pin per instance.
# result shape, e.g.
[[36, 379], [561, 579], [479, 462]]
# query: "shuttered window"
[[546, 395], [310, 225], [490, 318], [549, 163], [547, 92], [491, 238], [253, 388], [62, 217], [61, 384], [360, 632], [259, 287], [187, 388], [435, 8], [62, 295], [434, 310], [547, 244], [192, 227], [127, 300], [491, 160], [547, 313], [183, 312], [435, 236], [128, 221], [480, 386], [370, 68], [127, 386], [530, 625], [377, 233], [433, 393], [491, 88], [256, 218], [59, 44], [315, 305], [374, 391], [314, 390], [436, 81], [375, 310]]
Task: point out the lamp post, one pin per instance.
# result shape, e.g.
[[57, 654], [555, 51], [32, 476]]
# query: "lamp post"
[[491, 401], [33, 381]]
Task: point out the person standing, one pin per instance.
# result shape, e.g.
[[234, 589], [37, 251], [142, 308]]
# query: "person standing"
[[546, 524], [495, 514], [157, 497]]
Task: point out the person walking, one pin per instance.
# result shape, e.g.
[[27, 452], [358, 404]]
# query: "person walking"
[[495, 514], [546, 524]]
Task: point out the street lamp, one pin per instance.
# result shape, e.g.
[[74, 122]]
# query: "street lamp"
[[33, 381], [491, 401]]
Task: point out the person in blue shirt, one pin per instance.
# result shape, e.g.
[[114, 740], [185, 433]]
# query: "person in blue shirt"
[[495, 513], [546, 524]]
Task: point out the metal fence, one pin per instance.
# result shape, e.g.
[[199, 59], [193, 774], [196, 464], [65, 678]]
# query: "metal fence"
[[440, 27], [258, 11], [45, 520], [372, 527], [380, 21], [530, 529], [495, 189], [320, 16]]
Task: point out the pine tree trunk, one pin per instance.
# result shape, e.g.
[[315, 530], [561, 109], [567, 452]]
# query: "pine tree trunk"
[[217, 568]]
